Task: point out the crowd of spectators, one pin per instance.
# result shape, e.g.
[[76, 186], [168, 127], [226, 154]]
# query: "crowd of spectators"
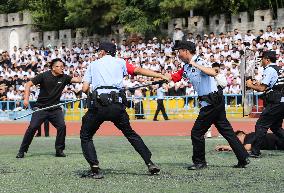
[[22, 64]]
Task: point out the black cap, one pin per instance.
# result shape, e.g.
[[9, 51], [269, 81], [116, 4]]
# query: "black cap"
[[108, 47], [187, 45], [268, 54]]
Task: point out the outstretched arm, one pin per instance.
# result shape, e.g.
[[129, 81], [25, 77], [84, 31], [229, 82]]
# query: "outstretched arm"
[[150, 73]]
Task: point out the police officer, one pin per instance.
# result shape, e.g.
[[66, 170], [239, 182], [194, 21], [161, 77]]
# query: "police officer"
[[51, 84], [107, 103], [160, 102], [212, 106], [272, 115]]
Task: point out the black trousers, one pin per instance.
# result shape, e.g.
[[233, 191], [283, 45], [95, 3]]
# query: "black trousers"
[[214, 115], [271, 117], [117, 114], [46, 129], [56, 118], [160, 107], [139, 110]]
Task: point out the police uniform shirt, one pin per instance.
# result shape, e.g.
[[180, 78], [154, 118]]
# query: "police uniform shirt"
[[51, 88], [202, 83], [107, 71], [270, 76]]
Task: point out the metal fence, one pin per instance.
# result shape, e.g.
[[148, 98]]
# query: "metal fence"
[[177, 107]]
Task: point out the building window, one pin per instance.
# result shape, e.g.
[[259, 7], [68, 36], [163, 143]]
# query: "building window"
[[13, 19], [48, 37], [217, 22], [239, 20], [33, 39], [65, 36], [165, 26], [21, 16], [195, 23], [262, 18]]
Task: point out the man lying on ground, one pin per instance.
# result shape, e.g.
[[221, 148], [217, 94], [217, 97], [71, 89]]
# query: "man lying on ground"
[[271, 142]]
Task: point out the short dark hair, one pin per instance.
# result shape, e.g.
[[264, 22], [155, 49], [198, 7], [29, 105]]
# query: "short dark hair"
[[187, 45], [271, 55], [54, 61], [216, 64]]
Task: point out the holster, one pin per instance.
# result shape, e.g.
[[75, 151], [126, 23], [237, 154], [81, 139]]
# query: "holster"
[[124, 98], [104, 99], [92, 101]]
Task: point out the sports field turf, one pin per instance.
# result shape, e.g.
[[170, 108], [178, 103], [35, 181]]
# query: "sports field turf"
[[125, 171]]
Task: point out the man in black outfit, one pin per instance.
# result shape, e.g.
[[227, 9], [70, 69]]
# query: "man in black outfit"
[[270, 142], [51, 85], [162, 89]]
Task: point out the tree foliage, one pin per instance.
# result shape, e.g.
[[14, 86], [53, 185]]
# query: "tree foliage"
[[48, 14], [135, 15], [95, 14]]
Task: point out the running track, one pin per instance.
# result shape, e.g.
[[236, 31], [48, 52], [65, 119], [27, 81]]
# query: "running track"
[[144, 128]]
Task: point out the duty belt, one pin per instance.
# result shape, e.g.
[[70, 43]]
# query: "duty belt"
[[105, 99], [213, 98]]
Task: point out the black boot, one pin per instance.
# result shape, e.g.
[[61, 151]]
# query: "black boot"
[[20, 154], [197, 166], [60, 153], [242, 164], [153, 168], [94, 173]]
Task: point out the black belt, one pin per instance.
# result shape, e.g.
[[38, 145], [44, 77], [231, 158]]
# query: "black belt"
[[213, 98], [107, 87]]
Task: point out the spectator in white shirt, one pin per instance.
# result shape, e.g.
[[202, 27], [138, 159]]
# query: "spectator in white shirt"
[[237, 36], [178, 34], [248, 38]]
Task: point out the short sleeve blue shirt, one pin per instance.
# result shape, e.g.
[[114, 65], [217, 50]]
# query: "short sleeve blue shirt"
[[202, 83], [107, 71], [270, 76]]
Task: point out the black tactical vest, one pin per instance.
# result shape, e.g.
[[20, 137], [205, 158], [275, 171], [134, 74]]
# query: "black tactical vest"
[[279, 85]]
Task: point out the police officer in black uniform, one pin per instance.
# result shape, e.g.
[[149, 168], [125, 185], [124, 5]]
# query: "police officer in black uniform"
[[107, 103], [51, 85], [272, 115]]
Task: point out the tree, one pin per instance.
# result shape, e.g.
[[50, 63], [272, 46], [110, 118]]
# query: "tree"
[[94, 14], [147, 16], [48, 14], [9, 6]]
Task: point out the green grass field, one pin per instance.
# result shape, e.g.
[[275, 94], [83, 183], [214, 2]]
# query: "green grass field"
[[125, 171]]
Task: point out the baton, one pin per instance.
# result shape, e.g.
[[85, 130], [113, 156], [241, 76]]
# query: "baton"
[[59, 104], [49, 107], [152, 83]]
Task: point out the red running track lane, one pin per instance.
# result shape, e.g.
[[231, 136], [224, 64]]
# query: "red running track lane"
[[144, 128]]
